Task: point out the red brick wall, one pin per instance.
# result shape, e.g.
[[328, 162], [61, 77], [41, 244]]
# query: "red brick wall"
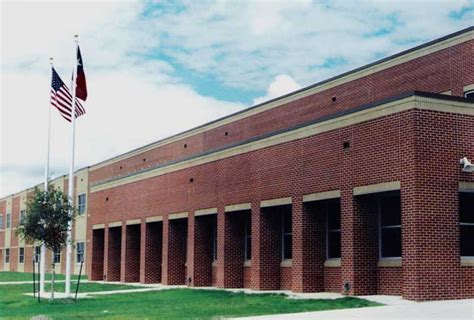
[[332, 279], [174, 255], [467, 281], [247, 277], [97, 254], [285, 278], [153, 252], [114, 253], [389, 280], [132, 253], [448, 69]]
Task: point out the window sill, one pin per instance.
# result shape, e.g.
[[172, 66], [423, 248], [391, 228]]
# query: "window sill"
[[390, 262], [332, 263], [247, 263], [214, 263], [467, 261], [286, 263]]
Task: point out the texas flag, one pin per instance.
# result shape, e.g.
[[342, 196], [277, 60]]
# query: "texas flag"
[[81, 87]]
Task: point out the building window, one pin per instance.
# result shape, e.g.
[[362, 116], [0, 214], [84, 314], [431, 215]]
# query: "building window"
[[248, 238], [390, 230], [22, 216], [333, 219], [57, 256], [214, 239], [9, 220], [469, 94], [81, 203], [466, 221], [79, 252], [37, 256], [21, 255], [286, 235], [7, 255], [1, 221]]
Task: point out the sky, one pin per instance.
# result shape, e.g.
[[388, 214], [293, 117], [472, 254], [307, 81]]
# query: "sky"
[[156, 68]]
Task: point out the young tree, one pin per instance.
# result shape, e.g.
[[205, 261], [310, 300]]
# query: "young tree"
[[47, 219]]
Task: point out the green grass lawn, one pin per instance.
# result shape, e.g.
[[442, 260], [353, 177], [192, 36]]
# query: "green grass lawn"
[[22, 276], [167, 304]]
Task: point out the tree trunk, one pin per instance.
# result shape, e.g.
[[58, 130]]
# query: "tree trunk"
[[52, 279]]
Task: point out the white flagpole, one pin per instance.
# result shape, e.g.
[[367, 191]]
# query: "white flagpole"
[[46, 179], [71, 174]]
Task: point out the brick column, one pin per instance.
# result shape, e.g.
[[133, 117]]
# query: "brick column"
[[165, 252], [174, 251], [153, 255], [266, 253], [97, 255], [234, 226], [190, 250], [222, 248], [123, 252], [430, 219], [359, 254], [308, 247], [202, 250], [114, 253], [106, 253], [132, 253], [142, 250]]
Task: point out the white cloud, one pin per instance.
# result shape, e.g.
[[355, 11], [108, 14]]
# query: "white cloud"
[[281, 85], [246, 43], [132, 100]]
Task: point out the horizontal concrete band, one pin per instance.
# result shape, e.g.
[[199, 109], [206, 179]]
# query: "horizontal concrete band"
[[389, 263], [154, 219], [134, 221], [205, 212], [376, 188], [326, 195], [98, 226], [332, 263], [301, 132], [238, 207], [319, 87], [466, 186], [275, 202], [179, 215], [115, 224], [467, 262]]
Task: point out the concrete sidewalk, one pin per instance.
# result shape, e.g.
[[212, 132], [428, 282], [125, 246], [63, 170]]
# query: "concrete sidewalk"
[[433, 310]]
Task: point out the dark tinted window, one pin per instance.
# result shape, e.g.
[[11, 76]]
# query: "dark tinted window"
[[333, 229], [390, 227], [466, 220]]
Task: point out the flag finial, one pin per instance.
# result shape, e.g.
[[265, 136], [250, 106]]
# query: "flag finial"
[[51, 60]]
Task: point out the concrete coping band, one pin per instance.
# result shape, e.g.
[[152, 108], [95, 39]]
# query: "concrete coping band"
[[286, 263], [469, 87], [98, 226], [275, 202], [395, 262], [179, 215], [154, 219], [467, 262], [332, 263], [205, 212], [376, 188], [334, 194], [238, 207], [466, 186], [115, 224], [134, 221]]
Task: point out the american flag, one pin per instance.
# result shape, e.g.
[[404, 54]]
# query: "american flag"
[[61, 98]]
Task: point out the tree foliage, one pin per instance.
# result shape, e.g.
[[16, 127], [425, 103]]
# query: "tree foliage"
[[47, 218]]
